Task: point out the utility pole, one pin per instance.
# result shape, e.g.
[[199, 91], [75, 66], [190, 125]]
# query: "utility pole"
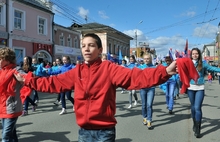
[[218, 41], [136, 38]]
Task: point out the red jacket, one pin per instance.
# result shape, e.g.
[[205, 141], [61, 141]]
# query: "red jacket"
[[11, 104], [95, 89]]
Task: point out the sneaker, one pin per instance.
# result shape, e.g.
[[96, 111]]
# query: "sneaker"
[[135, 103], [149, 126], [145, 121], [24, 113], [178, 96], [129, 106], [36, 101], [122, 92], [170, 112], [60, 102], [34, 107], [56, 103], [63, 111]]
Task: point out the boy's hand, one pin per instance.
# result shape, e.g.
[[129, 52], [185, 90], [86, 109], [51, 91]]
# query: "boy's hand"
[[172, 68], [19, 77]]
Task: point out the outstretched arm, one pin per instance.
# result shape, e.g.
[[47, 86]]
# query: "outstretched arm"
[[53, 84]]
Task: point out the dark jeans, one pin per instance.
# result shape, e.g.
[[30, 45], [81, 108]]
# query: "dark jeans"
[[102, 135], [9, 133], [35, 96], [63, 100], [26, 103], [196, 98], [219, 79]]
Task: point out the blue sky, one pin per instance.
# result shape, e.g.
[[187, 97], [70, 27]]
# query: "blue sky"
[[163, 24]]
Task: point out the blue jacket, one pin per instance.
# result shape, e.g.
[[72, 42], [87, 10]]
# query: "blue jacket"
[[205, 67], [132, 65], [55, 68], [41, 71], [62, 69], [35, 66], [174, 77], [143, 66]]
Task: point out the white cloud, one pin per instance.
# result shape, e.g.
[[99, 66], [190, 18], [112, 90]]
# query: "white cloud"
[[189, 13], [205, 31], [161, 44], [103, 15], [83, 12]]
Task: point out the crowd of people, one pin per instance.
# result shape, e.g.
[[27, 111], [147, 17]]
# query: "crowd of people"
[[94, 91]]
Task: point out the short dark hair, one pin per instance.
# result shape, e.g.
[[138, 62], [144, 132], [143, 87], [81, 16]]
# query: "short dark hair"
[[96, 37]]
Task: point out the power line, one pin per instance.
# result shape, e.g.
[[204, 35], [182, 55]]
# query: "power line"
[[181, 22]]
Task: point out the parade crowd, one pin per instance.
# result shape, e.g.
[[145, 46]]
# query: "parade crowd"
[[91, 86]]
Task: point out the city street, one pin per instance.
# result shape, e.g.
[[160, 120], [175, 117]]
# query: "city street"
[[46, 125]]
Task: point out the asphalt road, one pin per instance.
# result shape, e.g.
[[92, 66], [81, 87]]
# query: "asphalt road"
[[46, 125]]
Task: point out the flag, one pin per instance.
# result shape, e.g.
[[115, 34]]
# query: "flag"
[[120, 57], [170, 54], [186, 49], [177, 54], [189, 52], [109, 57]]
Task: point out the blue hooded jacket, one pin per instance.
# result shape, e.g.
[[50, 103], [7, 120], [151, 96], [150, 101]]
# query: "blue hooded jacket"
[[62, 69], [205, 67]]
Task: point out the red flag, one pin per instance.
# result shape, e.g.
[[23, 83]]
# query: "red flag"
[[189, 51], [186, 48]]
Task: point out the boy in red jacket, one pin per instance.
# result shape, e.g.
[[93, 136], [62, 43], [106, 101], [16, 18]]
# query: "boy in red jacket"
[[11, 104], [95, 84]]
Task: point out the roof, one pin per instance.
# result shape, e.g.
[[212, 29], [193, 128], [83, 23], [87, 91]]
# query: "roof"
[[96, 27], [38, 4]]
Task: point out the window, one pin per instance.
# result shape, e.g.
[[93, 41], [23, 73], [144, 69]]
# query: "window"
[[1, 14], [69, 42], [18, 16], [19, 53], [62, 40], [76, 43], [42, 26], [109, 48]]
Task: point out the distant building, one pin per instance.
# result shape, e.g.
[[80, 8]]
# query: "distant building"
[[112, 39], [67, 42], [210, 53], [26, 26]]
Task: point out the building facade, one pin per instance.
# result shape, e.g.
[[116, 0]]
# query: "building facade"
[[67, 43], [210, 53], [29, 27], [113, 40]]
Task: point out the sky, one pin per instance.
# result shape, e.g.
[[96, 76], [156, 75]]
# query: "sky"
[[163, 24]]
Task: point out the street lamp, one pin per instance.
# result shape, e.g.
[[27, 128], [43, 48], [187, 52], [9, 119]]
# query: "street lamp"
[[136, 32]]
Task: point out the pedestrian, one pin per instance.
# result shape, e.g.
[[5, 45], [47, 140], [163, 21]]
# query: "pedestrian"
[[27, 67], [54, 69], [147, 94], [64, 68], [170, 87], [11, 104], [95, 84], [196, 91], [132, 64], [35, 65], [209, 78], [123, 64]]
